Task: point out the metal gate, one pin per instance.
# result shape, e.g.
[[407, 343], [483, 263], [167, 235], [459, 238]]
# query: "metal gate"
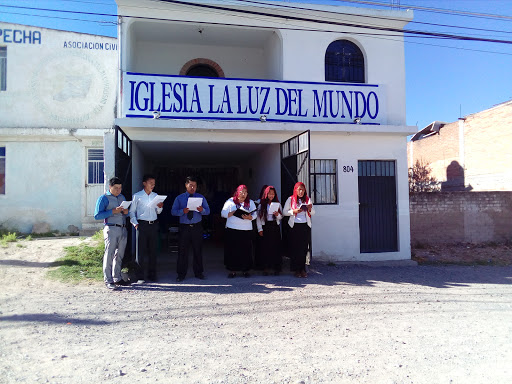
[[377, 206], [294, 163], [294, 168], [123, 170]]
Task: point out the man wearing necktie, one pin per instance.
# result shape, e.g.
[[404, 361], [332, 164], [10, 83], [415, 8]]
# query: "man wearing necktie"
[[190, 233]]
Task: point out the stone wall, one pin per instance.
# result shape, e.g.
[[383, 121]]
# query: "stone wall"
[[452, 217]]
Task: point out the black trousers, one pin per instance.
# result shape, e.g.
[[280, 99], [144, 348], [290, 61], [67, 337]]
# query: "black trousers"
[[146, 250], [190, 236], [270, 248], [299, 246]]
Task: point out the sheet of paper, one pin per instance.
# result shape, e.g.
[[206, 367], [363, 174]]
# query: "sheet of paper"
[[274, 207], [125, 204], [156, 200], [194, 202]]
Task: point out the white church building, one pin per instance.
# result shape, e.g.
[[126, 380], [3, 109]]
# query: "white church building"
[[267, 95]]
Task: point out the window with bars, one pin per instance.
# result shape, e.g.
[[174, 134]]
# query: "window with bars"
[[2, 170], [95, 166], [323, 182], [344, 62], [376, 168], [3, 68]]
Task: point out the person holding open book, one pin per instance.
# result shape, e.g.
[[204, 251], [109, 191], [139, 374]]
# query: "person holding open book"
[[239, 211], [268, 221], [300, 209], [190, 207]]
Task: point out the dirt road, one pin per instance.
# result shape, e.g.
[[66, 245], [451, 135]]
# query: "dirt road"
[[348, 324]]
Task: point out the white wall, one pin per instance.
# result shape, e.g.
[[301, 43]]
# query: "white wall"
[[336, 228], [60, 98], [266, 170], [54, 85], [42, 185], [168, 59], [384, 65]]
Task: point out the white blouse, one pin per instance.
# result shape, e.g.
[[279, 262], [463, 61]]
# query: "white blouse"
[[234, 222]]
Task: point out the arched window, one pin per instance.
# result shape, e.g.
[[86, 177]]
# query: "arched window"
[[202, 70], [344, 62], [201, 67]]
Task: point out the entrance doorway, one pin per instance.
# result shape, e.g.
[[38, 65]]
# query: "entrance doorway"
[[219, 166], [377, 206]]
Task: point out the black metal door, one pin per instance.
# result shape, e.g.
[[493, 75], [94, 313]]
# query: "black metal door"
[[123, 170], [294, 163], [377, 206], [294, 168]]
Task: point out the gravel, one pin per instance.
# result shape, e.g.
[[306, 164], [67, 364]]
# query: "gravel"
[[343, 324]]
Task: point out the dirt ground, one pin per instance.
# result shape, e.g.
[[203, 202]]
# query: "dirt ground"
[[464, 254], [343, 324]]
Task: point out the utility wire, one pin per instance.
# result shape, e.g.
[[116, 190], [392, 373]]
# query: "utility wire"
[[398, 31], [358, 15], [296, 18], [431, 9]]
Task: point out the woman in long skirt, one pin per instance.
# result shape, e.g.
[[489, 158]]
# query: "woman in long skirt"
[[268, 221], [239, 211], [300, 209]]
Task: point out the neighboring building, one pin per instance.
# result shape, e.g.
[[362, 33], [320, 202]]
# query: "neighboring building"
[[57, 98], [472, 154], [267, 94]]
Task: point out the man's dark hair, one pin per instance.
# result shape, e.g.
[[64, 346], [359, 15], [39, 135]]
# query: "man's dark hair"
[[191, 178], [147, 176], [114, 180]]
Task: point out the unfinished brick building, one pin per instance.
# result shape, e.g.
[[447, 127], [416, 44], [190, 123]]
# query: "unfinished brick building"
[[472, 154]]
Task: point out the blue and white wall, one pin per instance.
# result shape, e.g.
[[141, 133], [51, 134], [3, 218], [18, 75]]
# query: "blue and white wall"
[[59, 100]]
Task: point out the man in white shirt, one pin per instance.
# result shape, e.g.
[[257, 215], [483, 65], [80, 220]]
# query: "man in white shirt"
[[144, 219]]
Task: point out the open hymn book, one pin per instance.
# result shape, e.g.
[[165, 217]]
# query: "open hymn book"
[[240, 211]]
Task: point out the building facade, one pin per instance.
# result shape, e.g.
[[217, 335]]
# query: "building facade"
[[471, 154], [268, 95], [57, 97]]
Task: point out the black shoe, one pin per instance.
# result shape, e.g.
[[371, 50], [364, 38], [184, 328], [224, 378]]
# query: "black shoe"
[[122, 283], [231, 275], [179, 279], [247, 274], [201, 277], [277, 273]]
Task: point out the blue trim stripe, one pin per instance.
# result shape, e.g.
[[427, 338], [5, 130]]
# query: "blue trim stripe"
[[243, 119], [258, 80]]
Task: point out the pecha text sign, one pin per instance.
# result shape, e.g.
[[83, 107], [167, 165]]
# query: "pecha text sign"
[[181, 97]]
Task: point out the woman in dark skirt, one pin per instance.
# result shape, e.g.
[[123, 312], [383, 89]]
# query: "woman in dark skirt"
[[268, 221], [300, 209], [238, 235]]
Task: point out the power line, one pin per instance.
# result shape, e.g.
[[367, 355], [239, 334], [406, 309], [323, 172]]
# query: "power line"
[[412, 33], [359, 15], [432, 9], [62, 18], [297, 18]]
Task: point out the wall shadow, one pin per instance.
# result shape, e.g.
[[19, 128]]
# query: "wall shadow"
[[455, 179]]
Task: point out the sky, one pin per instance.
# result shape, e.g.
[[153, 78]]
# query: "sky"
[[445, 78]]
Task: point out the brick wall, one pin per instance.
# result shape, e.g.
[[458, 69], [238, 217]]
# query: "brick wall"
[[452, 217], [486, 157]]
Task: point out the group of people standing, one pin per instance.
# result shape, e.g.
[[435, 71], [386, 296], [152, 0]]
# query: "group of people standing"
[[268, 215], [239, 211]]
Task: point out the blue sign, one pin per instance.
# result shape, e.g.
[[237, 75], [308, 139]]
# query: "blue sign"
[[181, 97], [19, 36]]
